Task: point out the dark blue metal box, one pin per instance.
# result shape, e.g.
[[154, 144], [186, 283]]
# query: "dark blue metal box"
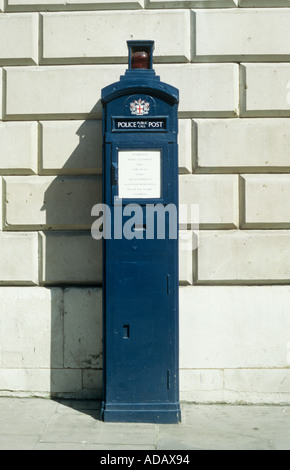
[[140, 249]]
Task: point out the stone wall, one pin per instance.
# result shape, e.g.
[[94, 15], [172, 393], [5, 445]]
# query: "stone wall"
[[230, 60]]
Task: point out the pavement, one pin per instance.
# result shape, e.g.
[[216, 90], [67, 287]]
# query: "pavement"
[[44, 424]]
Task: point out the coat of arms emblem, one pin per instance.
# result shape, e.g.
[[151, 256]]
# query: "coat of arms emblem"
[[139, 107]]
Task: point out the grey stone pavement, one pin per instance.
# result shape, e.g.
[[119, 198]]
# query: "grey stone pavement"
[[43, 424]]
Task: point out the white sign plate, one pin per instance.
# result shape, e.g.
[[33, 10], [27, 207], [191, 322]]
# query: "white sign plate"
[[139, 174]]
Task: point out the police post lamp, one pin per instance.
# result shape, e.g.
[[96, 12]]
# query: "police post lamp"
[[140, 247]]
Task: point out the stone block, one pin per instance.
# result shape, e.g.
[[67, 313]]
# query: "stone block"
[[71, 147], [19, 258], [92, 37], [228, 145], [255, 35], [224, 327], [267, 201], [262, 381], [265, 90], [264, 3], [186, 247], [200, 382], [31, 330], [47, 383], [30, 382], [253, 256], [216, 197], [192, 3], [185, 146], [93, 382], [58, 92], [2, 74], [19, 143], [18, 39], [71, 258], [45, 202], [66, 383], [83, 328], [47, 5], [1, 205]]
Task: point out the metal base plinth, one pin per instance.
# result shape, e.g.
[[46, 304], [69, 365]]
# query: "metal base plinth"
[[153, 413]]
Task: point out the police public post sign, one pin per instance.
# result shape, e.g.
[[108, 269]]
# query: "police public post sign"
[[137, 124], [140, 261]]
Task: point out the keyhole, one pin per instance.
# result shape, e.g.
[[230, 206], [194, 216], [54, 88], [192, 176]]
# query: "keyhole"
[[126, 331]]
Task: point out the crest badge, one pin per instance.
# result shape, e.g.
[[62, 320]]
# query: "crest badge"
[[139, 107]]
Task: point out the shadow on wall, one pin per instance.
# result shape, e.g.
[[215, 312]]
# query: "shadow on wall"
[[72, 259]]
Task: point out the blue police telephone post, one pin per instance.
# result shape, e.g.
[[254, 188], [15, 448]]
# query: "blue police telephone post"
[[140, 249]]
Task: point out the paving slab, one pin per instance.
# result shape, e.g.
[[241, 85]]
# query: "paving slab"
[[188, 438], [42, 424], [17, 442], [105, 447], [25, 416], [82, 428], [265, 421]]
